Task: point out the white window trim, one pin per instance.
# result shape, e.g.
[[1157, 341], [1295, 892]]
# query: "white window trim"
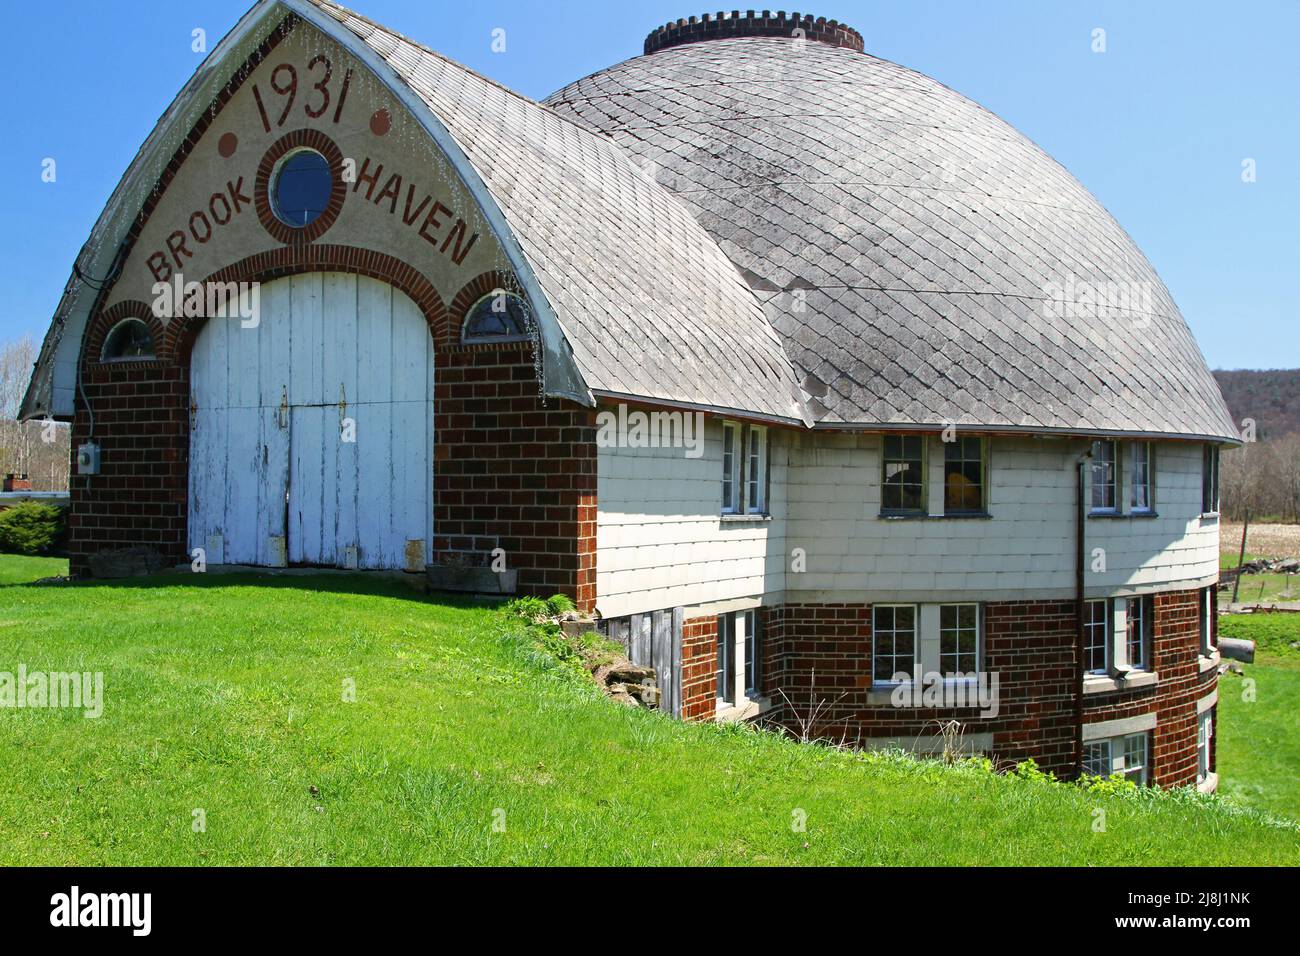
[[757, 481], [746, 705], [979, 642], [1150, 506], [1116, 482], [1117, 757], [733, 483], [916, 643], [1108, 637]]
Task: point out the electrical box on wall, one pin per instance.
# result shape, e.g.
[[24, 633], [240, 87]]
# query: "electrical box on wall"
[[88, 459]]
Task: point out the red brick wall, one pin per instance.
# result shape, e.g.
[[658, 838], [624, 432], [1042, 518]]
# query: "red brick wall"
[[821, 655], [513, 472], [139, 497], [699, 668], [1176, 658]]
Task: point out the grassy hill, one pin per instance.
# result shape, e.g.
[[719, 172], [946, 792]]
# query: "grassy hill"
[[225, 705]]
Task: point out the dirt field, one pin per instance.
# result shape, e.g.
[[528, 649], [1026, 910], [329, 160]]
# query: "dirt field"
[[1264, 540]]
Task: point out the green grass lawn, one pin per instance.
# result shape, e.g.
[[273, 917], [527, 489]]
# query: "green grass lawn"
[[1259, 738], [226, 696], [20, 569]]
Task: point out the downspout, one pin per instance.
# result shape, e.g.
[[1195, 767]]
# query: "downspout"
[[1080, 557]]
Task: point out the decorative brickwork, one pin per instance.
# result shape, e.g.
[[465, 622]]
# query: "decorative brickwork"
[[281, 148], [1176, 658], [699, 668], [514, 472], [723, 27], [822, 654]]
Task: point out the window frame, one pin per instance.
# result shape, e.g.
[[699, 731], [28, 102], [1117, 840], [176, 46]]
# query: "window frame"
[[1143, 769], [755, 472], [725, 664], [130, 320], [1149, 484], [1089, 625], [746, 481], [1091, 764], [1206, 622], [1145, 617], [273, 199], [731, 485], [753, 653], [1210, 480], [1204, 736], [1113, 483], [982, 506], [876, 632], [467, 339], [978, 652], [1112, 756], [922, 461]]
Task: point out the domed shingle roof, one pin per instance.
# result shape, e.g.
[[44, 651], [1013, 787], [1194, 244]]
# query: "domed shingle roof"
[[923, 262]]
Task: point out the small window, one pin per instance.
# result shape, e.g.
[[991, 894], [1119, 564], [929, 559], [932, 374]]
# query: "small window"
[[497, 317], [730, 468], [1141, 620], [963, 476], [127, 341], [1105, 467], [1096, 758], [959, 639], [744, 469], [1096, 633], [1135, 759], [1206, 621], [756, 470], [753, 652], [1143, 478], [903, 474], [726, 675], [1204, 734], [1210, 481], [893, 628], [301, 188]]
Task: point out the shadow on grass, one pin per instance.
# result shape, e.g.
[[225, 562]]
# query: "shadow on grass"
[[320, 581]]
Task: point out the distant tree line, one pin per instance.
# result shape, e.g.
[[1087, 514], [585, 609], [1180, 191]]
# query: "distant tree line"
[[1262, 478], [40, 450]]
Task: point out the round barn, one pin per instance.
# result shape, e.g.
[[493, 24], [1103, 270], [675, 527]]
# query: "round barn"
[[824, 390]]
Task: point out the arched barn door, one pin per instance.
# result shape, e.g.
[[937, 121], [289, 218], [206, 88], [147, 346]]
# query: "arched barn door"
[[311, 436]]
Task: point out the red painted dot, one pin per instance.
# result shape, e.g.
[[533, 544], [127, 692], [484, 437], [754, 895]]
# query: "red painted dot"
[[227, 145], [381, 123]]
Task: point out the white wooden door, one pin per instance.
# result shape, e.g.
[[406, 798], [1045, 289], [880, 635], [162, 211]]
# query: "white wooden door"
[[343, 367]]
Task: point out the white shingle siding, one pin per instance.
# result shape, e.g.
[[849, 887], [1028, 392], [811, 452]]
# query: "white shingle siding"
[[660, 542]]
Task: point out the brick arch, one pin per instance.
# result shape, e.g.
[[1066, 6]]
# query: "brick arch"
[[477, 287], [297, 259], [105, 321]]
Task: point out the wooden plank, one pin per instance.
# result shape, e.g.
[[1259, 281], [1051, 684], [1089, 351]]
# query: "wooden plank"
[[274, 332], [374, 449], [638, 651], [339, 355], [675, 683], [408, 433]]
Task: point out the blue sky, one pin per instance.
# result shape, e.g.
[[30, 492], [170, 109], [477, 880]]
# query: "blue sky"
[[1157, 126]]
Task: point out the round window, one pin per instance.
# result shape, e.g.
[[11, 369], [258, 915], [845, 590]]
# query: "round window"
[[301, 188]]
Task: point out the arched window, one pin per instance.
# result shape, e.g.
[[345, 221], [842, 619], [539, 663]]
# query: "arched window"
[[128, 341], [301, 189], [499, 316]]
